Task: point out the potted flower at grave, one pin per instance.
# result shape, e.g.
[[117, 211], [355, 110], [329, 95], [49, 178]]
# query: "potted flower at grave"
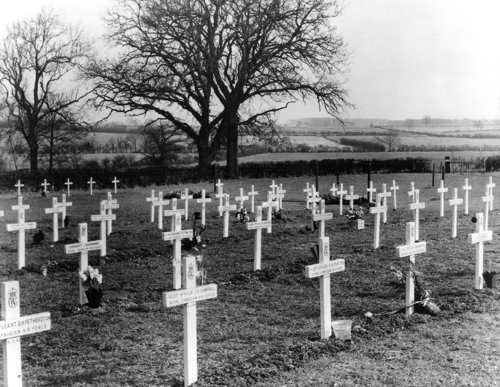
[[242, 215], [92, 281], [355, 217]]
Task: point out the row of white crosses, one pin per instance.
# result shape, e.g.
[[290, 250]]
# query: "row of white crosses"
[[68, 185]]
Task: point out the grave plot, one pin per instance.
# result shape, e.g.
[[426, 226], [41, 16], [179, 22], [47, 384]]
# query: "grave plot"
[[262, 326]]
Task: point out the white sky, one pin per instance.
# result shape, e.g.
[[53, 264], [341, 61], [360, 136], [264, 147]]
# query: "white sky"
[[409, 58]]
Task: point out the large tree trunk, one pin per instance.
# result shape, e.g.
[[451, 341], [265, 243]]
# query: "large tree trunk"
[[34, 158], [231, 126], [204, 160]]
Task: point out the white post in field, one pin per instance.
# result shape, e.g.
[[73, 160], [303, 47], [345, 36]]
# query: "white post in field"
[[455, 202], [394, 189], [466, 187]]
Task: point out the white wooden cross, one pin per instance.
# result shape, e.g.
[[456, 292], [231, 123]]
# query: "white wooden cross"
[[188, 297], [91, 183], [280, 196], [186, 196], [258, 225], [441, 190], [203, 201], [478, 238], [83, 247], [63, 205], [241, 199], [226, 209], [115, 181], [324, 269], [103, 218], [487, 199], [351, 197], [314, 199], [269, 205], [394, 189], [177, 234], [175, 214], [490, 186], [417, 206], [160, 202], [341, 192], [377, 210], [411, 192], [455, 202], [45, 184], [19, 185], [252, 193], [466, 189], [2, 213], [68, 185], [371, 190], [333, 190], [154, 203], [54, 210], [385, 195], [321, 217], [273, 187], [21, 226], [409, 250], [12, 327], [220, 195], [110, 204]]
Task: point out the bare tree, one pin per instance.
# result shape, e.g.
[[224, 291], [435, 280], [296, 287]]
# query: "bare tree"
[[199, 63], [162, 143], [37, 56]]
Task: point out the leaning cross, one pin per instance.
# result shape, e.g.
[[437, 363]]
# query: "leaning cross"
[[203, 201], [186, 196], [394, 189], [409, 250], [258, 225], [45, 184], [466, 189], [177, 235], [441, 190], [19, 185], [54, 210], [21, 226], [455, 202], [252, 195], [478, 238], [68, 185], [341, 192], [12, 328], [103, 217], [417, 206], [385, 194], [321, 217], [351, 197], [91, 183], [226, 209], [241, 199], [115, 181], [83, 247], [371, 190], [324, 269], [188, 297], [377, 210]]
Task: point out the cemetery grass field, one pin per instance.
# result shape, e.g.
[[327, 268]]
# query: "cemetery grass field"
[[263, 328]]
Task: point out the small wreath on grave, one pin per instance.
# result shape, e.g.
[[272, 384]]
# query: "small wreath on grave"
[[92, 281], [242, 216]]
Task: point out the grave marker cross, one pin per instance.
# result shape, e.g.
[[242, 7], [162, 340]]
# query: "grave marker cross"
[[54, 210], [324, 269], [258, 225], [307, 191], [83, 247], [466, 189], [371, 190], [351, 197], [110, 205], [377, 210], [12, 327], [441, 190], [188, 297], [417, 206], [455, 202], [203, 201], [385, 194], [45, 184], [19, 185], [160, 203], [409, 250], [252, 193], [394, 189], [487, 199], [63, 205], [273, 187], [91, 183], [68, 185], [226, 209], [478, 238], [411, 192], [186, 196], [154, 203], [333, 190], [220, 195], [280, 196], [341, 192], [321, 217], [490, 186], [115, 181], [241, 199], [21, 226], [103, 217]]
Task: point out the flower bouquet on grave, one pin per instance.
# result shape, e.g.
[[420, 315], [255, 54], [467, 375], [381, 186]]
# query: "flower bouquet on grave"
[[92, 281], [242, 215], [354, 216]]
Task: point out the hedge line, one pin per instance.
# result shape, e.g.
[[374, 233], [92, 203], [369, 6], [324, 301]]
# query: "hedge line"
[[157, 175]]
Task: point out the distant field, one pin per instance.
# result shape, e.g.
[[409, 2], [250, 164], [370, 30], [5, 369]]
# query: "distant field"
[[317, 141]]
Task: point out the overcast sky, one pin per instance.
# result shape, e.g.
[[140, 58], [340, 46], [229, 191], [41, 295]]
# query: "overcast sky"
[[409, 58]]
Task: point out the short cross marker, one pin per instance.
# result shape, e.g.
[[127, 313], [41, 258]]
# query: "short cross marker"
[[417, 206], [490, 186], [154, 203], [241, 199], [160, 203], [487, 199], [45, 184], [68, 185], [441, 190], [19, 185], [115, 181], [54, 210], [341, 192], [377, 210], [91, 183], [455, 202], [186, 196], [394, 189], [226, 209], [371, 190], [110, 204], [258, 225], [220, 195], [351, 197], [252, 193], [478, 238], [411, 192], [466, 187]]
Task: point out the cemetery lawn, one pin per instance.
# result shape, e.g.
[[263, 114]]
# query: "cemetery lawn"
[[263, 328]]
